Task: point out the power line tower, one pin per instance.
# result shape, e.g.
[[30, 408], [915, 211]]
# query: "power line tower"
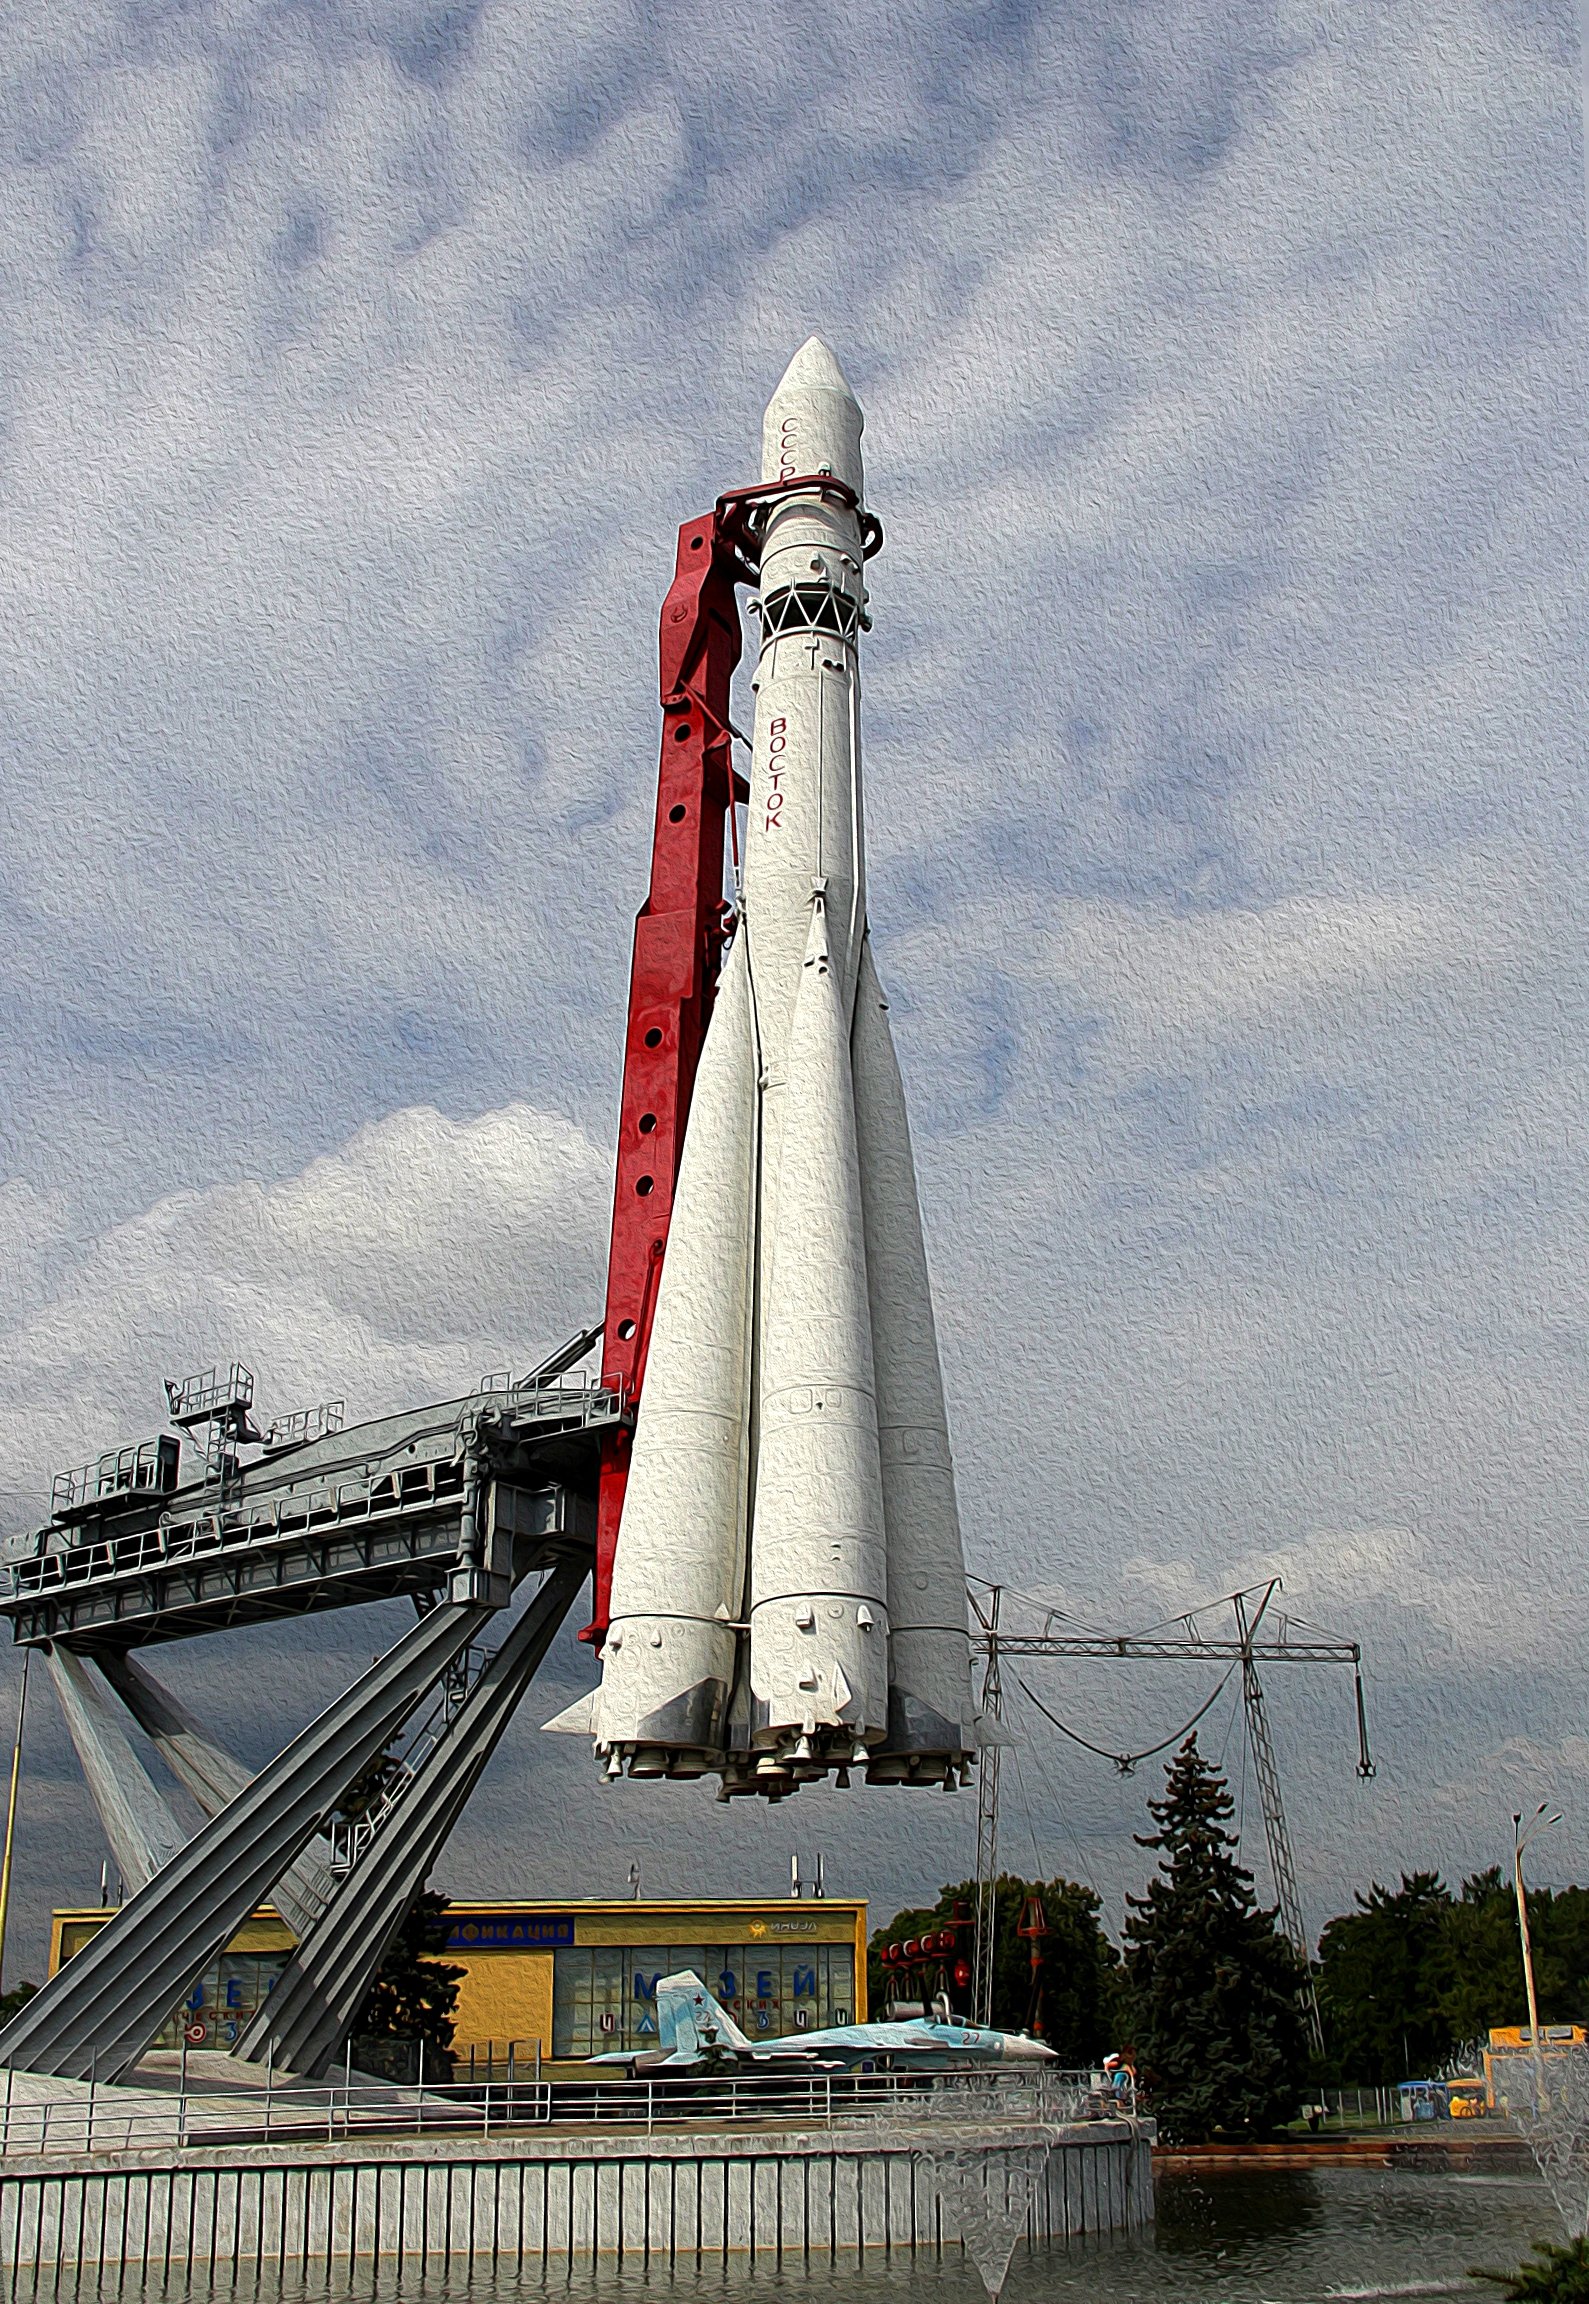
[[1182, 1639], [987, 1916], [1282, 1863]]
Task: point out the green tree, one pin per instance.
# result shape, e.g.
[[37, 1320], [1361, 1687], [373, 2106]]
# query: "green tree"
[[415, 1995], [16, 1999], [1383, 1974], [1212, 1984], [1551, 2275], [1480, 1971], [1077, 2001], [1563, 1933], [1415, 1973]]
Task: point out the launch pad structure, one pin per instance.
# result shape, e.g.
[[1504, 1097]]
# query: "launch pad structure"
[[460, 1506], [793, 1605]]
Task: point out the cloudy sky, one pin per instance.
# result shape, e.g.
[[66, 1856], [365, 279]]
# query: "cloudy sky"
[[1224, 372]]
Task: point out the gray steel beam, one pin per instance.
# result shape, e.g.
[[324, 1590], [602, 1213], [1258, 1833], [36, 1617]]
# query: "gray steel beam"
[[142, 1832], [368, 1513], [215, 1778], [1170, 1650], [308, 2016], [98, 2014]]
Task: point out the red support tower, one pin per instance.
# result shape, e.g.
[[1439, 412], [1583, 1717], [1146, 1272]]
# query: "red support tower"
[[678, 942]]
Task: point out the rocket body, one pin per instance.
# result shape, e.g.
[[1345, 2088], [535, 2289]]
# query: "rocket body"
[[788, 1592]]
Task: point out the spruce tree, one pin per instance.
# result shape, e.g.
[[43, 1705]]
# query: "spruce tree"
[[1212, 1983], [414, 1995]]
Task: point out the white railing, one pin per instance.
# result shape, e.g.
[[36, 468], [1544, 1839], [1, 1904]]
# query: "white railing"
[[385, 1488], [563, 1400], [133, 2120], [1364, 2107], [384, 1491]]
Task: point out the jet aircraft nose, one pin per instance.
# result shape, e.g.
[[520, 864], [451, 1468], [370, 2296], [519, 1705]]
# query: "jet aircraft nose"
[[1019, 2048]]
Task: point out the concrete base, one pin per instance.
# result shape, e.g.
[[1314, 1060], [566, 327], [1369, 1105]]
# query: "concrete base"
[[563, 2196]]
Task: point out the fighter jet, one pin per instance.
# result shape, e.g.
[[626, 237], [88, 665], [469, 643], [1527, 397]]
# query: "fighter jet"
[[694, 2031]]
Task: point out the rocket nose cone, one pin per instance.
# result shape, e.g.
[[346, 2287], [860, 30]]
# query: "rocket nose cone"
[[814, 369], [813, 421]]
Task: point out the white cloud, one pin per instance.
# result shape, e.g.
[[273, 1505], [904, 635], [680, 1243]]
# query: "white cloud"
[[400, 1267]]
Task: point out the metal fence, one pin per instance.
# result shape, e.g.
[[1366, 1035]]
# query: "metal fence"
[[130, 2120], [1360, 2107]]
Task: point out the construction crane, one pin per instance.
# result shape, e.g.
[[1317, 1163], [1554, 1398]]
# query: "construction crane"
[[1181, 1639]]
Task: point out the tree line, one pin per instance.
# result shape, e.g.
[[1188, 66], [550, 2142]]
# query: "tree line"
[[1205, 1990], [1416, 1974]]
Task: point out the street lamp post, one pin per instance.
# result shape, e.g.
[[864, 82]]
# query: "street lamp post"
[[1524, 1836]]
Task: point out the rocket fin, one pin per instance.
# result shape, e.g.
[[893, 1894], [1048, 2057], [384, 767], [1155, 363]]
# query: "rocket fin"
[[818, 1565], [576, 1719], [678, 1571], [930, 1706]]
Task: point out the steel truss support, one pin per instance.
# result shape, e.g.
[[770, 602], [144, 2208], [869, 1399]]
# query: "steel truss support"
[[143, 1834], [1277, 1833], [1282, 1863], [214, 1777], [308, 2016], [98, 2014]]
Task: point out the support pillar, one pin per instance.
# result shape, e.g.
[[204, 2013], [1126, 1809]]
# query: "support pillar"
[[142, 1832], [215, 1778], [309, 2015], [99, 2013]]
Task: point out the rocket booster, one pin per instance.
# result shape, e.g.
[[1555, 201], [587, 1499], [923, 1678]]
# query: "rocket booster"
[[788, 1594]]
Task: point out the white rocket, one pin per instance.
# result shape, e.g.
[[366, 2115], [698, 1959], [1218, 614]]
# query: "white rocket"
[[788, 1593]]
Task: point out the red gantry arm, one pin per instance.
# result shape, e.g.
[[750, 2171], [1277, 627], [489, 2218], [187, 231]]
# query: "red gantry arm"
[[678, 945]]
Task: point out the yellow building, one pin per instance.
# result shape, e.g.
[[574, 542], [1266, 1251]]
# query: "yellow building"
[[1509, 2058], [567, 1980], [225, 1996], [581, 1978]]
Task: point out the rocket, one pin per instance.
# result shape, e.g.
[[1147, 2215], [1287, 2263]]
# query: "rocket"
[[788, 1587]]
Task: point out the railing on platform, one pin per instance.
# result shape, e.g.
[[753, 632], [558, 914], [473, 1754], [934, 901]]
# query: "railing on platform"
[[492, 2060], [206, 1530], [562, 1400], [197, 1528], [104, 2120]]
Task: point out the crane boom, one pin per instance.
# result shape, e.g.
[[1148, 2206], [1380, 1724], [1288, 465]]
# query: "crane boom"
[[1107, 1644], [1288, 1643]]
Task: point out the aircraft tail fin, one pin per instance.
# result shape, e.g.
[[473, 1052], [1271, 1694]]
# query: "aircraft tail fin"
[[690, 2022]]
